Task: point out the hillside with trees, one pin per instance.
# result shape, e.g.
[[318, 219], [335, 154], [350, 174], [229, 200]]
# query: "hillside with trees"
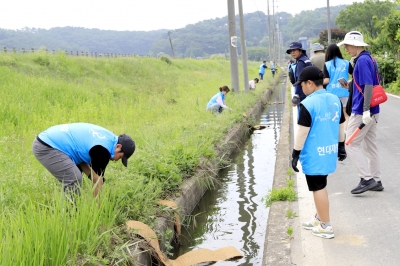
[[202, 39]]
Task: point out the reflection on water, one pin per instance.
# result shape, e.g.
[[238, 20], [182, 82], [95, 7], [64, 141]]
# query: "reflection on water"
[[233, 213]]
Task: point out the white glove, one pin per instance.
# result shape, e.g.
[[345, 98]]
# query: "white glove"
[[366, 117]]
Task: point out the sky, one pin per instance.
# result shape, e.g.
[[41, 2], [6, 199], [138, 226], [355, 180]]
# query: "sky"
[[136, 15]]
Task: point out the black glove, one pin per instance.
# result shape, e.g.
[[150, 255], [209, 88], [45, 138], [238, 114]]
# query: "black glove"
[[295, 159], [296, 99], [341, 152]]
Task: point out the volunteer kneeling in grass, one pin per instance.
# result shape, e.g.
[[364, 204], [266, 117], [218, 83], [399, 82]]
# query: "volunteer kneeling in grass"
[[67, 150], [217, 103], [319, 142]]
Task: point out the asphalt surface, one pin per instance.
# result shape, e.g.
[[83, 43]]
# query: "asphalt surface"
[[366, 226]]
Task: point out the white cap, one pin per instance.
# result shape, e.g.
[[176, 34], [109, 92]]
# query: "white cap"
[[354, 38]]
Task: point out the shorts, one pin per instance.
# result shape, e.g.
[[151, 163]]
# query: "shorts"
[[344, 101], [316, 182]]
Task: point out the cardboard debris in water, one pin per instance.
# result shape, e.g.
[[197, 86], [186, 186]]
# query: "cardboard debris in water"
[[174, 207], [190, 258]]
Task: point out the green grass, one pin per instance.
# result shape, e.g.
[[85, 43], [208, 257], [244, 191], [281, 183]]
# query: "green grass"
[[281, 194], [161, 105]]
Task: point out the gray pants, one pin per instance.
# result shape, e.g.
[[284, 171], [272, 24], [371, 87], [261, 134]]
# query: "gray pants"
[[363, 150], [60, 166], [215, 108]]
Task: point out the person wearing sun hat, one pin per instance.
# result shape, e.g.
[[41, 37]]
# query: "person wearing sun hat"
[[318, 59], [319, 144], [297, 52], [67, 150], [365, 76]]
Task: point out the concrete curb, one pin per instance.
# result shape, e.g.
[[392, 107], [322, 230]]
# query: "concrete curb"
[[277, 242]]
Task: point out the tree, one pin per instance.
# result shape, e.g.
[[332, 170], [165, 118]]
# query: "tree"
[[360, 16], [337, 35], [257, 53]]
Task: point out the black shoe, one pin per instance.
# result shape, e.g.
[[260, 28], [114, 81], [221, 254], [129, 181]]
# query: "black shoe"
[[365, 185], [379, 187]]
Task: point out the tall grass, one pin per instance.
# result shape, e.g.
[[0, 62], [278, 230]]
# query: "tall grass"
[[161, 105]]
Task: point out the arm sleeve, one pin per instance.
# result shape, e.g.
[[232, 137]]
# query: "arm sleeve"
[[299, 67], [301, 137], [326, 73], [304, 117], [220, 102], [100, 157]]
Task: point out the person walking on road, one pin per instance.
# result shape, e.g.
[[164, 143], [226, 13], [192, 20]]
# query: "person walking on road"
[[336, 67], [217, 103], [67, 150], [299, 54], [319, 143], [261, 71], [365, 76]]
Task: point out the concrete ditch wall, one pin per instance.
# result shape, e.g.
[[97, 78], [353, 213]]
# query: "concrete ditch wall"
[[277, 241], [194, 188]]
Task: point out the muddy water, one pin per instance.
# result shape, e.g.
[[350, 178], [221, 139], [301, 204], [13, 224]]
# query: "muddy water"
[[233, 214]]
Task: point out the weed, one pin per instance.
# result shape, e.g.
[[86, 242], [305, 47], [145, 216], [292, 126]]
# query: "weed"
[[290, 172], [290, 214], [289, 231], [282, 194], [166, 60]]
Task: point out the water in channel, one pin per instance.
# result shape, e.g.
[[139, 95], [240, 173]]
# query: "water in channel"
[[233, 213]]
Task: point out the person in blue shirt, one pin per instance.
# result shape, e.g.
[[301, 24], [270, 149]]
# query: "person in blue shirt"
[[297, 52], [319, 143], [273, 68], [336, 67], [261, 72], [67, 150], [363, 150], [217, 103]]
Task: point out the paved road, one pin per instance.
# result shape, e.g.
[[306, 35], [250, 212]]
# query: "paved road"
[[367, 226]]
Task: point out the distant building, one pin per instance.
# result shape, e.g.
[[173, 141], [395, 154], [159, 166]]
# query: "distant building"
[[306, 44]]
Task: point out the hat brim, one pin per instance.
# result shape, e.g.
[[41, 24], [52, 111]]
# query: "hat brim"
[[124, 161], [288, 51], [353, 43]]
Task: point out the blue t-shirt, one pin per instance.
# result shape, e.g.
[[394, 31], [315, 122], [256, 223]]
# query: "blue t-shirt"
[[337, 68], [76, 140], [213, 100], [364, 74], [262, 68], [320, 151]]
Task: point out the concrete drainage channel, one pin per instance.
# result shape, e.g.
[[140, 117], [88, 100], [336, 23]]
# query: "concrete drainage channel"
[[233, 214]]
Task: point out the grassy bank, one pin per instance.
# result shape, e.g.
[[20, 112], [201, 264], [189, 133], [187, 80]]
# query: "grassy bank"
[[161, 105]]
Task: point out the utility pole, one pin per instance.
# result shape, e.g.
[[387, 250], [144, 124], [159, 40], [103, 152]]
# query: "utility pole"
[[244, 49], [170, 42], [274, 35], [233, 46], [269, 33], [329, 22]]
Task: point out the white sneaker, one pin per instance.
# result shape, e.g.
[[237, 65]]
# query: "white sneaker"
[[324, 233], [311, 224]]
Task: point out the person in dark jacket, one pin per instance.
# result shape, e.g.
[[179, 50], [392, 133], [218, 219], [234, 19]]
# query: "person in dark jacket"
[[297, 52]]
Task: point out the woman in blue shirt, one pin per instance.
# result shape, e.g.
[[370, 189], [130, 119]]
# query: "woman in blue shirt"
[[336, 67], [217, 102]]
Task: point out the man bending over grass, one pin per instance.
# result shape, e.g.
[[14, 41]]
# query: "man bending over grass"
[[68, 150]]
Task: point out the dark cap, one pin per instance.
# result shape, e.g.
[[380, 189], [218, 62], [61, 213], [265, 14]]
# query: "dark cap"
[[294, 46], [128, 147], [310, 73]]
